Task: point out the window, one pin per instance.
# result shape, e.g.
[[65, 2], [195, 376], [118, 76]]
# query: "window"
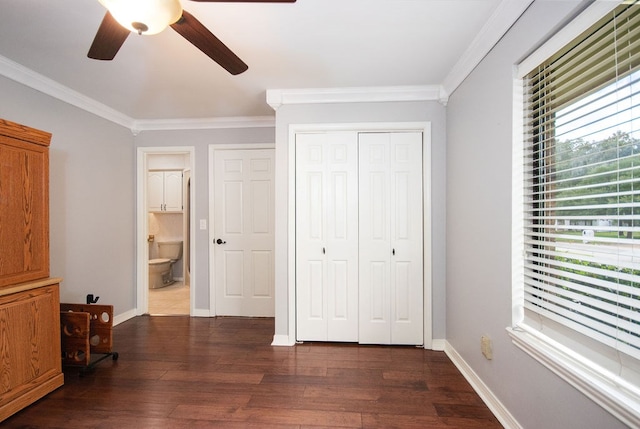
[[577, 288]]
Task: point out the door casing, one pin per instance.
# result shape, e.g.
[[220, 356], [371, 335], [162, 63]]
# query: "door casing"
[[142, 224]]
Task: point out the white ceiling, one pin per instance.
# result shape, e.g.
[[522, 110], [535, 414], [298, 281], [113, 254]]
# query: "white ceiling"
[[307, 44]]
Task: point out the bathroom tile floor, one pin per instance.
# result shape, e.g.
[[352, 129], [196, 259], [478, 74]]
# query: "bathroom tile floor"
[[170, 300]]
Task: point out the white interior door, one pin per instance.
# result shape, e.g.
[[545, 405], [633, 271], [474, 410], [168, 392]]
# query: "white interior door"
[[391, 238], [244, 232], [326, 237]]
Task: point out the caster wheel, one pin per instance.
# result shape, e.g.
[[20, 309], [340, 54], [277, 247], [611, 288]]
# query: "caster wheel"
[[115, 356]]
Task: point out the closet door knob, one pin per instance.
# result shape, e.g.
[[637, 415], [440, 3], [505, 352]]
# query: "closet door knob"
[[219, 241], [393, 252], [323, 252]]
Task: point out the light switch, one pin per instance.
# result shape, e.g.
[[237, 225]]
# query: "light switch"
[[203, 224]]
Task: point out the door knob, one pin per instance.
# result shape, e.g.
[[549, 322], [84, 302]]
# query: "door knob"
[[219, 241]]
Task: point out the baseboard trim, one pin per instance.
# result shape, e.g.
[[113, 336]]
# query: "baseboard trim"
[[497, 408], [438, 344], [200, 312], [123, 317], [282, 340]]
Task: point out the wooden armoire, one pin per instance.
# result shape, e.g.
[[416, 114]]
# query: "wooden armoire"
[[30, 356]]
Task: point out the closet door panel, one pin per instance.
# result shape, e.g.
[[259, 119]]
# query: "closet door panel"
[[326, 236], [311, 320], [375, 244], [390, 197], [342, 236], [406, 230]]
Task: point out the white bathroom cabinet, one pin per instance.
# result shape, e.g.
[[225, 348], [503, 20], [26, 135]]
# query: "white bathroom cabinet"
[[164, 191]]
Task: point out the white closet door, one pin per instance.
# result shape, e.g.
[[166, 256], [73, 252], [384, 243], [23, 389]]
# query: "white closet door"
[[390, 233], [326, 237]]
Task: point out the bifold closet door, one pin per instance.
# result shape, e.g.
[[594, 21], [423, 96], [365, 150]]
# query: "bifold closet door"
[[390, 235], [327, 236]]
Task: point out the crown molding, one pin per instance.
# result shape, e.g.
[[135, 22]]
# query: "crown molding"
[[279, 97], [203, 123], [31, 79], [28, 77], [506, 14]]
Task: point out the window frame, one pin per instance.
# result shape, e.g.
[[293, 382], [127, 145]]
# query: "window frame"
[[610, 379]]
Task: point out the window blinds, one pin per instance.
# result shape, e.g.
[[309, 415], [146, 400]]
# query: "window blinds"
[[582, 183]]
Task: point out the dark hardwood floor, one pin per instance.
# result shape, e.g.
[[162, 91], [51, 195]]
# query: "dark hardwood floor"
[[181, 372]]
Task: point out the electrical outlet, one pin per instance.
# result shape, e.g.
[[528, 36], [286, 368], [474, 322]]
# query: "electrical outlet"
[[485, 346]]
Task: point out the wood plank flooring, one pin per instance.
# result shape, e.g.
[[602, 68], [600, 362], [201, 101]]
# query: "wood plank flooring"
[[182, 372]]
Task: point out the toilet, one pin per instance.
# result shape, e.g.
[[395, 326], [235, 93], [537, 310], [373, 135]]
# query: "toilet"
[[161, 268]]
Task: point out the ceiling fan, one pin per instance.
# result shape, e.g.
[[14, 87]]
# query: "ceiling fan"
[[151, 17]]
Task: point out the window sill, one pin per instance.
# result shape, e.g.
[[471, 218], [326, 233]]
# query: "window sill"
[[618, 397]]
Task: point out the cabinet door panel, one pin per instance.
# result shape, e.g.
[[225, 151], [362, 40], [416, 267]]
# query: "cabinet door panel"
[[173, 191], [155, 191], [24, 211], [30, 335]]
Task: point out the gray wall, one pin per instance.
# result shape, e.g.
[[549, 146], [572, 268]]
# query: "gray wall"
[[91, 196], [201, 139], [479, 236], [430, 111]]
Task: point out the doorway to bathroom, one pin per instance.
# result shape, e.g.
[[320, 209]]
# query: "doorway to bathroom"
[[164, 239]]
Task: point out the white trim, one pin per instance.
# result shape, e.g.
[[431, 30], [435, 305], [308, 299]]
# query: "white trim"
[[505, 15], [28, 77], [569, 32], [118, 319], [31, 79], [279, 97], [438, 344], [140, 125], [493, 403], [425, 129], [211, 236], [283, 340], [200, 312], [427, 256], [517, 202], [611, 392], [142, 227]]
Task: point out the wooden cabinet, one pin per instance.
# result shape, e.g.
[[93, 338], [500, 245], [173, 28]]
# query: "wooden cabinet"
[[29, 344], [30, 356], [24, 204], [164, 191]]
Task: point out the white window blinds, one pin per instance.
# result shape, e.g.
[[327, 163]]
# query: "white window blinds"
[[582, 184]]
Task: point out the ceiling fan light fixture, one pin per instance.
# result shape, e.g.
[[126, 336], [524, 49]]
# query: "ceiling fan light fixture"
[[144, 16]]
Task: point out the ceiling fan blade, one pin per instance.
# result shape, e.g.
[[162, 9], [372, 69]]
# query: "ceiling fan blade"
[[108, 40], [196, 33]]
